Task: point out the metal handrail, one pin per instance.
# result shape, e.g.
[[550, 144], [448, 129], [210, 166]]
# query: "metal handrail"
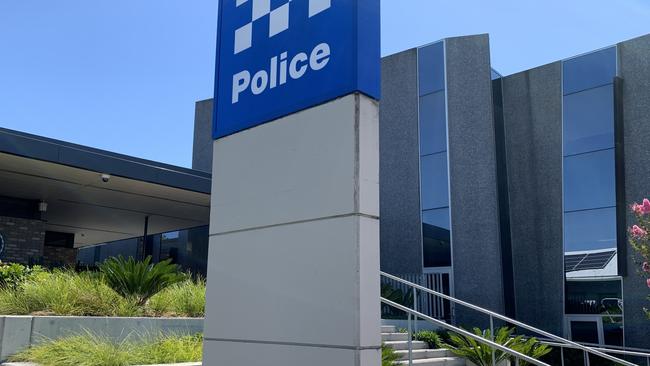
[[624, 352], [463, 332], [492, 314]]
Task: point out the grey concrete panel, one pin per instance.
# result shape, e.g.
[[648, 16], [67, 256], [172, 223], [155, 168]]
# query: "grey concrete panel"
[[476, 246], [261, 354], [264, 176], [309, 288], [294, 239], [202, 147], [15, 334], [634, 68], [533, 126], [399, 168]]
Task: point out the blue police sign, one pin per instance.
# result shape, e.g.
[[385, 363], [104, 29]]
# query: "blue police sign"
[[276, 57]]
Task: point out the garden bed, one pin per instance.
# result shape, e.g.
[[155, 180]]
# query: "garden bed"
[[91, 349], [20, 332]]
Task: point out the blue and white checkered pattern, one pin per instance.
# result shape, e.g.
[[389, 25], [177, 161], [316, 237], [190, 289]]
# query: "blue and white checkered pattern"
[[278, 19]]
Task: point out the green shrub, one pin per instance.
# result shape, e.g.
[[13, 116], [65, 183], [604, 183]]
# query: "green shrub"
[[94, 350], [431, 338], [12, 275], [481, 354], [388, 356], [65, 292], [185, 298], [139, 280]]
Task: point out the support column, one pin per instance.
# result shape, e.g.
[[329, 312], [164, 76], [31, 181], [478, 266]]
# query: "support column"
[[293, 271]]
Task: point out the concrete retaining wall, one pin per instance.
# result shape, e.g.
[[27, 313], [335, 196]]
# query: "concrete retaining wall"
[[19, 332]]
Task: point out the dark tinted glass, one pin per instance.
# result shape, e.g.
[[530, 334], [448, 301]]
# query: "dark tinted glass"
[[593, 297], [588, 71], [436, 238], [590, 229], [433, 126], [431, 68], [434, 181], [613, 331], [584, 331], [589, 180], [589, 120]]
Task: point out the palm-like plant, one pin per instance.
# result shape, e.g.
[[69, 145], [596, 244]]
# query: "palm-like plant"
[[388, 356], [481, 354], [139, 280], [533, 348]]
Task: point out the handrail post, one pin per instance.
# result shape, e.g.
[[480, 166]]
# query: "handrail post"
[[415, 307], [494, 359], [586, 355], [410, 340], [562, 355]]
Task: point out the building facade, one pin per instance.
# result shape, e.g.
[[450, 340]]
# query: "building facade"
[[509, 192], [512, 192]]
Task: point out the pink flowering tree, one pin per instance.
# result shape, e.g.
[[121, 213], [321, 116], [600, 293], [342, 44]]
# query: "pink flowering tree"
[[640, 239]]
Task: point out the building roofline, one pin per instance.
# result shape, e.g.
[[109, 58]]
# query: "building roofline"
[[102, 161]]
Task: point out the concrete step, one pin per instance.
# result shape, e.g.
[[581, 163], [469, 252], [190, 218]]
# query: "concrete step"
[[444, 361], [419, 354], [388, 329], [394, 337], [402, 345]]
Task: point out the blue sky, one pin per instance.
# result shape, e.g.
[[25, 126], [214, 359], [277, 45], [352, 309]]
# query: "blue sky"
[[123, 75]]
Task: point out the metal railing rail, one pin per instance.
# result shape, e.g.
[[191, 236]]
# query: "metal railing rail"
[[494, 315], [460, 331], [623, 352]]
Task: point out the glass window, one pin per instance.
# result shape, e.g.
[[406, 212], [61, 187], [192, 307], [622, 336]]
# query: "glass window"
[[438, 217], [594, 297], [436, 238], [433, 126], [590, 229], [589, 181], [589, 71], [431, 68], [613, 330], [589, 120], [584, 331], [434, 181]]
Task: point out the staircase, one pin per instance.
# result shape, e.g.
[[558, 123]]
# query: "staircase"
[[422, 354]]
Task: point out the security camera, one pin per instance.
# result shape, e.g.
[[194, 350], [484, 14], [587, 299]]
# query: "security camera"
[[106, 178]]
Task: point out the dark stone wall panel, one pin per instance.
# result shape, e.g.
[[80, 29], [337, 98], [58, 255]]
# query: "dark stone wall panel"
[[399, 168], [533, 130], [634, 68], [472, 166]]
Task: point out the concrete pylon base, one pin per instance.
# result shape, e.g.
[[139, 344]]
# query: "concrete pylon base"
[[293, 271]]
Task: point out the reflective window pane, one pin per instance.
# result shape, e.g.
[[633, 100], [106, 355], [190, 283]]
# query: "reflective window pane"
[[436, 238], [589, 120], [438, 218], [434, 187], [613, 331], [589, 181], [433, 126], [594, 297], [588, 71], [431, 68], [584, 331], [590, 230]]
